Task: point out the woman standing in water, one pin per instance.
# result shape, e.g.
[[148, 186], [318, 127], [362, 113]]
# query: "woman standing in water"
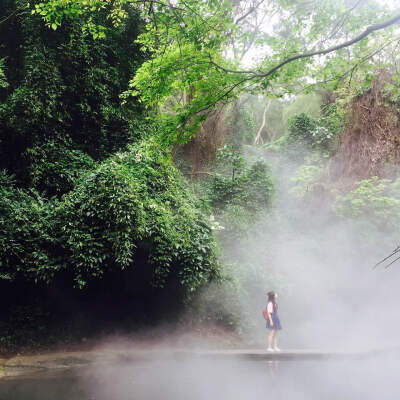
[[273, 322]]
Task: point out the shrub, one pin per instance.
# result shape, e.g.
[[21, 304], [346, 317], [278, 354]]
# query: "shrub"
[[376, 200], [307, 133], [304, 178], [237, 183], [55, 166], [301, 128], [132, 211], [28, 241], [239, 191]]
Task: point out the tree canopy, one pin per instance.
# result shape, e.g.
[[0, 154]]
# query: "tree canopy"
[[199, 51]]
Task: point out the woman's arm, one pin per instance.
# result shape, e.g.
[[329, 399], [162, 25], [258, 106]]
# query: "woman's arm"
[[270, 310]]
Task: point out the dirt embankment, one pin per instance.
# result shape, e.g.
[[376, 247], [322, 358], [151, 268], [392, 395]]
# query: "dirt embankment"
[[370, 143]]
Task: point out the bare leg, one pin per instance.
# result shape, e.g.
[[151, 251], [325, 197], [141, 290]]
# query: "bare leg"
[[270, 339], [275, 340]]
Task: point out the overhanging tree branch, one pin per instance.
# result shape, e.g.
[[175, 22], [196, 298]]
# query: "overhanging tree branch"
[[351, 70], [395, 251], [367, 32], [254, 74]]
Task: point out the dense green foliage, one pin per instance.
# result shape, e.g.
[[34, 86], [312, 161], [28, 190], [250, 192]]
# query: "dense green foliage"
[[303, 180], [309, 104], [239, 183], [62, 106], [239, 192], [310, 133], [306, 133], [3, 80], [133, 202], [376, 200], [301, 129], [87, 191]]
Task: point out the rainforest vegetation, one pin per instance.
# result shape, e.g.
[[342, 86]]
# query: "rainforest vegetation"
[[142, 140]]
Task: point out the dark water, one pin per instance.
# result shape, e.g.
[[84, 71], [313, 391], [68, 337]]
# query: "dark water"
[[373, 379]]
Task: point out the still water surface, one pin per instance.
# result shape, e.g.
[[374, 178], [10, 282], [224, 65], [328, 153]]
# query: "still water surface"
[[372, 378]]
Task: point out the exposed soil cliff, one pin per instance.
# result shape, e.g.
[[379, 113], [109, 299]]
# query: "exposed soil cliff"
[[370, 143]]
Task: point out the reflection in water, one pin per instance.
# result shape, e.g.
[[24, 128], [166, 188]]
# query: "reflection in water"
[[272, 369], [206, 379], [55, 388]]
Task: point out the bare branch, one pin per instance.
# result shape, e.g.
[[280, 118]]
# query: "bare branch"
[[395, 251], [251, 10], [339, 24], [201, 173], [14, 13], [9, 16], [396, 259], [247, 47], [229, 70], [160, 3]]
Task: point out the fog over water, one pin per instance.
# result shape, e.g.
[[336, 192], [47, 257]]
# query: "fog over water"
[[175, 378], [209, 379], [330, 296], [330, 300]]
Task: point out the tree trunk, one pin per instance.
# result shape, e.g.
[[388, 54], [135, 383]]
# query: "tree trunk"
[[258, 139]]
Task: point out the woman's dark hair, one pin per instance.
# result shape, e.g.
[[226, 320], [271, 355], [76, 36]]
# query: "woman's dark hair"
[[271, 296]]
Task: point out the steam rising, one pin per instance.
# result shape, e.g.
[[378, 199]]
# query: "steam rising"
[[330, 299], [203, 378], [330, 296]]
